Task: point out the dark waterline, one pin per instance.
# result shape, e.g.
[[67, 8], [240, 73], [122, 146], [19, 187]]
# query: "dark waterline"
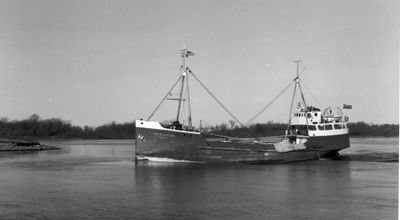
[[100, 180]]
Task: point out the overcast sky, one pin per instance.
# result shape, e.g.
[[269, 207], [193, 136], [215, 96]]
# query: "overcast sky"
[[92, 62]]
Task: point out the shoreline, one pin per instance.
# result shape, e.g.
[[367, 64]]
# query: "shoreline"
[[24, 145]]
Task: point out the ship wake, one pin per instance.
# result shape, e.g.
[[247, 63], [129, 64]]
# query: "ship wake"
[[371, 157], [163, 160]]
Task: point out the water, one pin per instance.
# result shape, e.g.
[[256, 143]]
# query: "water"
[[100, 180]]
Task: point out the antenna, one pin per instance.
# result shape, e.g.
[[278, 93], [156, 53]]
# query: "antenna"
[[297, 61]]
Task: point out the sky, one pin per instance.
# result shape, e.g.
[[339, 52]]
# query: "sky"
[[93, 62]]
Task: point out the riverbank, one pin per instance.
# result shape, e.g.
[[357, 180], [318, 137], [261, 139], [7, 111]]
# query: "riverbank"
[[24, 145]]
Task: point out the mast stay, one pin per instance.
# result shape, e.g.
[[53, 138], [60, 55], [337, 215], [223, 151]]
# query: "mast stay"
[[215, 98], [296, 82], [165, 97]]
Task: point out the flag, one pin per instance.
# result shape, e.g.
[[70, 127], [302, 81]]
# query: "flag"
[[345, 106], [187, 53]]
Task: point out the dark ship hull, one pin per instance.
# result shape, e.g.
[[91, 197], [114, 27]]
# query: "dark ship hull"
[[328, 146], [154, 141]]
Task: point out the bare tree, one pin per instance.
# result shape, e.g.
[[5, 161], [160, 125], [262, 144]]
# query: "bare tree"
[[232, 123], [34, 119]]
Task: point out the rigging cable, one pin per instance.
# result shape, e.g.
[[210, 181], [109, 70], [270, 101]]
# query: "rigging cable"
[[302, 95], [291, 105], [168, 93], [312, 95], [273, 100], [215, 98]]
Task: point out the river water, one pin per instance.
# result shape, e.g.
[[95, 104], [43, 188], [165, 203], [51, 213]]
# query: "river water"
[[95, 179]]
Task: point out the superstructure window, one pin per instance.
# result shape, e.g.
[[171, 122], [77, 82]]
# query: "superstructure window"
[[312, 128], [308, 115], [315, 114], [301, 127], [328, 127], [321, 127], [337, 126]]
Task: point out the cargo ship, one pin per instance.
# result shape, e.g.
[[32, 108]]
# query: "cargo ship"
[[181, 141], [156, 141]]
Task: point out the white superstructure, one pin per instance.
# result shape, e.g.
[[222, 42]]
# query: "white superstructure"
[[312, 122]]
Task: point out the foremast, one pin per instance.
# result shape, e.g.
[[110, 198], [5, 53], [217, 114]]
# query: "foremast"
[[182, 78], [185, 77]]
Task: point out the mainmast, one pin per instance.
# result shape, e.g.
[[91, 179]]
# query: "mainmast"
[[297, 84]]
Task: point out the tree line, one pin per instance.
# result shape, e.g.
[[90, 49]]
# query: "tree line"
[[35, 127], [356, 129]]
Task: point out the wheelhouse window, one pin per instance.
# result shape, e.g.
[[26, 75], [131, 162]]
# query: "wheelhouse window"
[[328, 127], [312, 128], [337, 126], [321, 127]]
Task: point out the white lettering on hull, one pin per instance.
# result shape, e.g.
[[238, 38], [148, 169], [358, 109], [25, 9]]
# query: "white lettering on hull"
[[163, 135]]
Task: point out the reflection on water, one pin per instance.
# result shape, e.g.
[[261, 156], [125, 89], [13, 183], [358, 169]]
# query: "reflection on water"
[[315, 189], [100, 179]]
